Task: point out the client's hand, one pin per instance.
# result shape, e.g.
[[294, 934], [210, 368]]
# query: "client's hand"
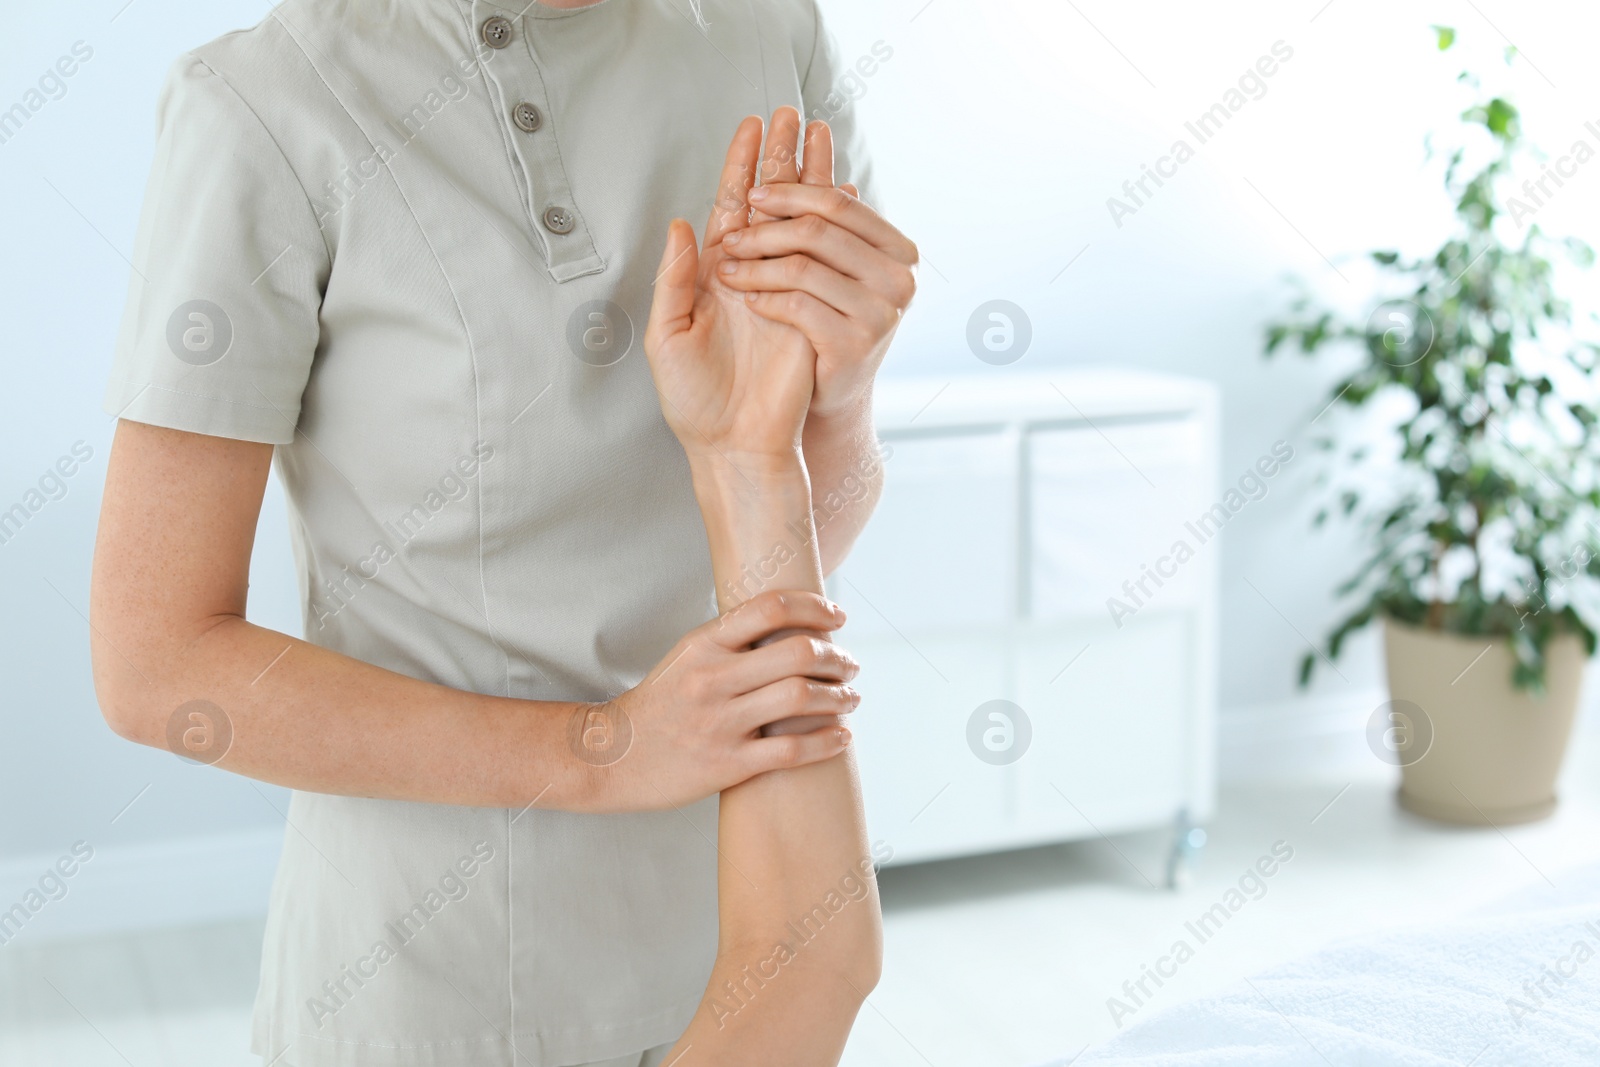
[[732, 382], [693, 726], [819, 259]]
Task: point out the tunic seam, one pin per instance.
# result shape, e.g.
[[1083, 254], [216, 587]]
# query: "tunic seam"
[[327, 250]]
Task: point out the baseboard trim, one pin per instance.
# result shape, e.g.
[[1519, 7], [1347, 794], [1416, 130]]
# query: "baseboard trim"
[[1318, 734], [123, 888], [1290, 739]]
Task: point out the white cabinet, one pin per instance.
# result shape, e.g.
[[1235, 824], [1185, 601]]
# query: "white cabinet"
[[1015, 508]]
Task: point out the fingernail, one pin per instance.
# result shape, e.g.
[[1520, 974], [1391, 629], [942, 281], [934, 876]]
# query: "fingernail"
[[855, 696], [750, 298], [844, 736], [732, 238], [729, 266], [758, 193]]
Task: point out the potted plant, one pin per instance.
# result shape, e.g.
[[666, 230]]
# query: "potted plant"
[[1482, 504]]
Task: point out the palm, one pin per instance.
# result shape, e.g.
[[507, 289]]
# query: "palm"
[[733, 380]]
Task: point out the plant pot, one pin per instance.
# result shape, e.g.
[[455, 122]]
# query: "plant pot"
[[1495, 750]]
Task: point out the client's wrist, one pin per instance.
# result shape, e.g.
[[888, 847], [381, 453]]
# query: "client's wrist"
[[757, 513], [750, 465], [739, 483]]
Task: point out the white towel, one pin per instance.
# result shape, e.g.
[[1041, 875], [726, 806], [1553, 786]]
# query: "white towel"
[[1464, 992]]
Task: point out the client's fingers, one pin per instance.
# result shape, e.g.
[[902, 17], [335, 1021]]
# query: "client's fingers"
[[781, 160], [817, 165], [673, 303], [732, 208]]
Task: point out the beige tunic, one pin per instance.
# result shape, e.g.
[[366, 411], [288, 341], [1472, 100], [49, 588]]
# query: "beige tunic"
[[413, 247]]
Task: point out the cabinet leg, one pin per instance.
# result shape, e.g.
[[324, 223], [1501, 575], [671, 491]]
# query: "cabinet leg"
[[1187, 842]]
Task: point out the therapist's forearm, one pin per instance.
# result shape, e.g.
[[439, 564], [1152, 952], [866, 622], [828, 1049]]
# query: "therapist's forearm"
[[845, 464], [309, 718]]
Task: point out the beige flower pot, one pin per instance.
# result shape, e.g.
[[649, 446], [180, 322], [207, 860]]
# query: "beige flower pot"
[[1494, 751]]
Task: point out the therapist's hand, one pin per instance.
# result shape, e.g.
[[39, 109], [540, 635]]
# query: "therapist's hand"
[[734, 384], [819, 259], [693, 726]]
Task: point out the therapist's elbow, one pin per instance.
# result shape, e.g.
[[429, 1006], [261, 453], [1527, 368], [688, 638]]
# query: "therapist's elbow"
[[135, 670], [125, 701]]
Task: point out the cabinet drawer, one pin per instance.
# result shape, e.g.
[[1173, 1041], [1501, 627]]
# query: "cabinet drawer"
[[926, 793], [1112, 733], [1108, 503], [939, 554]]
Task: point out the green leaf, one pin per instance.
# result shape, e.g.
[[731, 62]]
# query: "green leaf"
[[1446, 36], [1501, 119], [1275, 335]]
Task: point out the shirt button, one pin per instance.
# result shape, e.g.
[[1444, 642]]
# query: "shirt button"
[[496, 32], [558, 220], [527, 117]]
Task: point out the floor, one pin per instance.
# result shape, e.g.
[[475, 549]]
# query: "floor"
[[1001, 960]]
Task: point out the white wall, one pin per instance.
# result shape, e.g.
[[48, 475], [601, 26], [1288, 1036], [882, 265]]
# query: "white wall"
[[1000, 130], [1002, 135]]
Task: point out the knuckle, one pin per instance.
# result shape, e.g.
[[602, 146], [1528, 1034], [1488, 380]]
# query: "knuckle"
[[770, 608], [788, 750], [812, 226], [795, 692], [802, 653], [905, 286], [795, 268], [839, 200]]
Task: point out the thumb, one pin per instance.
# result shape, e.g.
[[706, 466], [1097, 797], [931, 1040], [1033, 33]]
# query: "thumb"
[[672, 308]]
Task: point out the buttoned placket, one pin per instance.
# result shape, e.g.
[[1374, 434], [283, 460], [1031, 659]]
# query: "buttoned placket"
[[525, 117]]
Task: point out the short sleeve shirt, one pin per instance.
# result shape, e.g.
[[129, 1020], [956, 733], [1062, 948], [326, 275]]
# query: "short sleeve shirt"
[[412, 243]]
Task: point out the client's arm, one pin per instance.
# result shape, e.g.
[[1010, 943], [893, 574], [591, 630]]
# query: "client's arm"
[[800, 938], [800, 930]]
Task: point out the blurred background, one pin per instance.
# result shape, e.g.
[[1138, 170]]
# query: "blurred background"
[[999, 131]]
